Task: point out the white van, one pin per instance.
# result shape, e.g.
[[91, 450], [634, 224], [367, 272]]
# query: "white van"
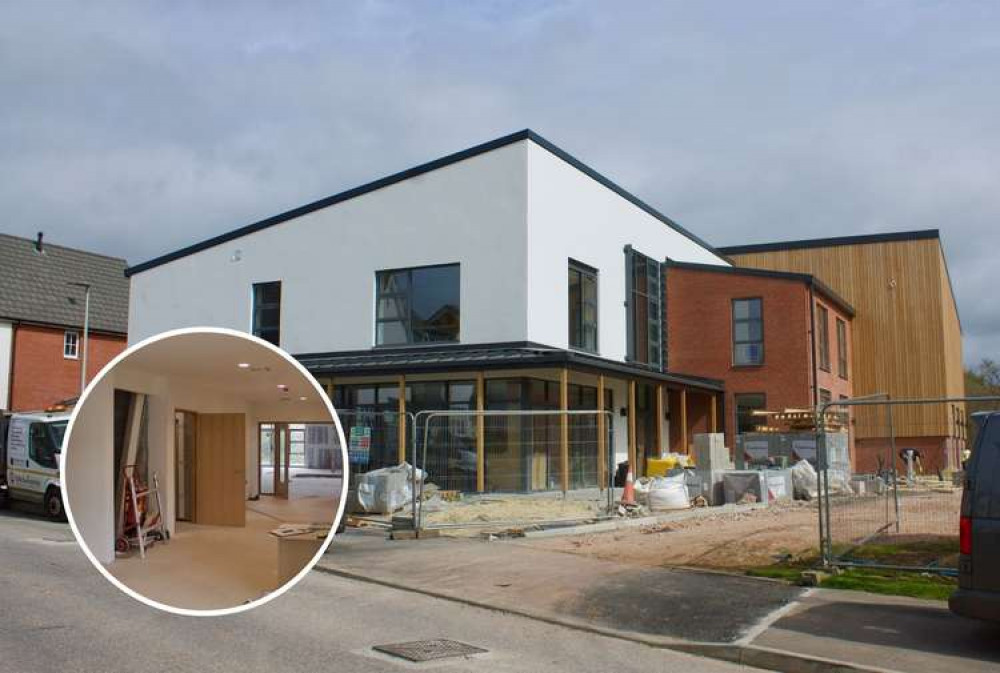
[[30, 444]]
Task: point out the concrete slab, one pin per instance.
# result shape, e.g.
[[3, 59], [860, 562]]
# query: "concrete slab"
[[885, 632], [667, 604]]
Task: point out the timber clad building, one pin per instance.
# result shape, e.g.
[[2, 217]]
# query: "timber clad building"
[[907, 337], [511, 276]]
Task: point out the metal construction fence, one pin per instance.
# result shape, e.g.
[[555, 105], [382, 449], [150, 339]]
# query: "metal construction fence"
[[374, 440], [900, 511], [512, 467]]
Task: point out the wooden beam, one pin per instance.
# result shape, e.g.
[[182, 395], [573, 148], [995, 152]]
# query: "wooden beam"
[[564, 428], [328, 386], [658, 427], [631, 430], [480, 433], [714, 412], [602, 436], [685, 447], [401, 420]]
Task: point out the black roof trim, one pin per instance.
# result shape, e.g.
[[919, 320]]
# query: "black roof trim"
[[917, 235], [526, 134], [806, 278], [510, 355]]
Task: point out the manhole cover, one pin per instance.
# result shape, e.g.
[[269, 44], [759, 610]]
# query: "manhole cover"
[[427, 650]]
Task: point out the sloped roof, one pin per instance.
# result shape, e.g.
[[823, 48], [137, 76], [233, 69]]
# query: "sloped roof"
[[35, 286], [526, 134]]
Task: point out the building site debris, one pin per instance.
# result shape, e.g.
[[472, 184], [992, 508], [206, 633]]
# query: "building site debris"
[[386, 490]]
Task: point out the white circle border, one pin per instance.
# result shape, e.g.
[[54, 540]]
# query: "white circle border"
[[215, 612]]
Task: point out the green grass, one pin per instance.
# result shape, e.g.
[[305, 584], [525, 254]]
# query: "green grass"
[[893, 583]]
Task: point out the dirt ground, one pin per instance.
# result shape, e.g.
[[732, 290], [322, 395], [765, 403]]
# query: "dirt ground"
[[762, 537], [727, 541]]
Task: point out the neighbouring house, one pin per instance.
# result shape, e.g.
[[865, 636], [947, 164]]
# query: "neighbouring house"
[[507, 276], [42, 298], [906, 337], [778, 340]]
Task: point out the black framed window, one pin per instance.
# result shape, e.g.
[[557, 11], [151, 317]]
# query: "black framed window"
[[842, 348], [644, 276], [582, 307], [267, 311], [823, 327], [748, 331], [418, 305], [746, 405]]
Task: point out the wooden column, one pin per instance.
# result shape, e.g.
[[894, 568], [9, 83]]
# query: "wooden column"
[[714, 412], [659, 419], [685, 447], [602, 436], [631, 430], [564, 428], [401, 420], [480, 433]]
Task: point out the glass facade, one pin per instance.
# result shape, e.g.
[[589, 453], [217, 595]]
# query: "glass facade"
[[419, 305], [748, 332], [645, 344]]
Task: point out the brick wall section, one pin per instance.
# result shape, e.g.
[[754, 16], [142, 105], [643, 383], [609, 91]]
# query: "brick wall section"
[[699, 337], [42, 376]]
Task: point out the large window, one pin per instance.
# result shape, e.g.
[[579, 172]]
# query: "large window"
[[582, 307], [746, 405], [418, 305], [645, 345], [841, 348], [823, 327], [267, 311], [71, 345], [748, 332]]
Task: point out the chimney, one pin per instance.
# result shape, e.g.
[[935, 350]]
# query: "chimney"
[[38, 242]]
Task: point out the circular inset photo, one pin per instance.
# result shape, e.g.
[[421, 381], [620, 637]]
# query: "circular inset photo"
[[203, 471]]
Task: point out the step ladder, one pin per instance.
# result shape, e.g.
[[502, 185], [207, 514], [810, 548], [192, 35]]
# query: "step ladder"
[[139, 527]]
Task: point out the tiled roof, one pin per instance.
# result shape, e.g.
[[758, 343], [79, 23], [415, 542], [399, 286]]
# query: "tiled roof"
[[35, 286]]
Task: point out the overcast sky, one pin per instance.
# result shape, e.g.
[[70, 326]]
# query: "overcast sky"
[[136, 128]]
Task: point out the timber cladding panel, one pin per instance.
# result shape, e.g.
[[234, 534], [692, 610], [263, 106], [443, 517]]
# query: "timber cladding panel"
[[906, 335]]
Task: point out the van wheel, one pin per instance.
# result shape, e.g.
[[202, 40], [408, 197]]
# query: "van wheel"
[[54, 505]]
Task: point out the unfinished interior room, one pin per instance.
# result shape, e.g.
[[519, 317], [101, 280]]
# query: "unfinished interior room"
[[204, 470]]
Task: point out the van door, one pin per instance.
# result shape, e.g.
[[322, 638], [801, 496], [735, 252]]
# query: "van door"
[[24, 477], [982, 504]]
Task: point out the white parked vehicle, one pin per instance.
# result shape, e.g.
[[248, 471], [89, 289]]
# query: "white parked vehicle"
[[30, 444]]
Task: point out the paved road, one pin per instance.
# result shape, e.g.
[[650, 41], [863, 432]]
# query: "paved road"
[[57, 614]]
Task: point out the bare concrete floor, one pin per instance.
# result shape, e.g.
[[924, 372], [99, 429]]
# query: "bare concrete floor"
[[206, 567]]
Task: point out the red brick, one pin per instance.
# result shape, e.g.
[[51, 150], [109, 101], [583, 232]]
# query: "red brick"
[[42, 376]]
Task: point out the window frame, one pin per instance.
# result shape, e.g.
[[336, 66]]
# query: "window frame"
[[408, 296], [735, 342], [736, 405], [586, 272], [254, 307], [842, 364], [823, 344], [653, 349], [75, 355]]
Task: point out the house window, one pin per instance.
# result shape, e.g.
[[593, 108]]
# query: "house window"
[[824, 338], [419, 305], [746, 405], [748, 332], [842, 348], [267, 311], [582, 307], [71, 345], [645, 345]]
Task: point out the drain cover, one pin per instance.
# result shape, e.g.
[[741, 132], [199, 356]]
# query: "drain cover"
[[427, 650]]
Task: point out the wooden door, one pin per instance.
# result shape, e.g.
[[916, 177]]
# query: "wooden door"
[[221, 470]]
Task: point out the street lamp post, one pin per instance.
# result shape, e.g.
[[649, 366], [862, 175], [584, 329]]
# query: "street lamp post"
[[86, 333]]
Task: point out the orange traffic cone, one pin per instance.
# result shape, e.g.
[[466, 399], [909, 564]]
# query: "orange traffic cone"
[[628, 495]]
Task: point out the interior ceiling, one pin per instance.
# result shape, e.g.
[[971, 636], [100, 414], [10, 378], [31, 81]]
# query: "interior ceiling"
[[212, 360]]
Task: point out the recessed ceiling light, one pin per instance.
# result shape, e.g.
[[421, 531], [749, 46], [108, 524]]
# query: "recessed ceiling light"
[[244, 365], [303, 399], [282, 387]]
